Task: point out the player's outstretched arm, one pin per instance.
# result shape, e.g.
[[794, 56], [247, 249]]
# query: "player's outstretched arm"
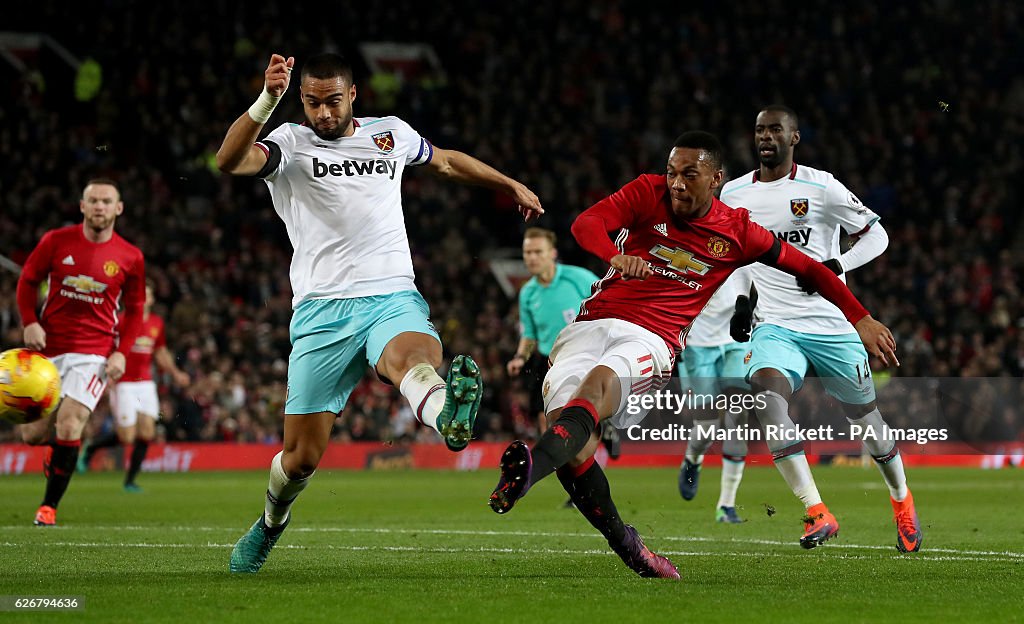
[[460, 167], [877, 338], [237, 154], [523, 353]]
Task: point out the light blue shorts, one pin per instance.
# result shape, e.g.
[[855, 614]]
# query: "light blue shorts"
[[334, 339], [710, 370], [840, 361]]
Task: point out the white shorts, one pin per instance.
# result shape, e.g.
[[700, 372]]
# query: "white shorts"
[[82, 377], [640, 358], [128, 399]]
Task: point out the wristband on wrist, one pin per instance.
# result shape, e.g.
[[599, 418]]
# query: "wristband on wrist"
[[263, 107]]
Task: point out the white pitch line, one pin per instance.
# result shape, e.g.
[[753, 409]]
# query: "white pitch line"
[[672, 538], [479, 550]]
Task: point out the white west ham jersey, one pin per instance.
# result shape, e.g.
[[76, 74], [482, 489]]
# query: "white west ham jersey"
[[806, 209], [341, 203], [711, 327]]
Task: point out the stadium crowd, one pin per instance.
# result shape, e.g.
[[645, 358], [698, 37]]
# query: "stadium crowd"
[[573, 98]]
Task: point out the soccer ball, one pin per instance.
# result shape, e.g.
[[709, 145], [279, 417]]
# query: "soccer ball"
[[29, 386]]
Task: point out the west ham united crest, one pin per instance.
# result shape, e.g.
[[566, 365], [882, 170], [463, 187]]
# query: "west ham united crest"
[[799, 207], [384, 141]]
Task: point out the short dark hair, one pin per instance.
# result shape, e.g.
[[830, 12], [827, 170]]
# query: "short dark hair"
[[539, 232], [104, 181], [785, 110], [327, 65], [705, 141]]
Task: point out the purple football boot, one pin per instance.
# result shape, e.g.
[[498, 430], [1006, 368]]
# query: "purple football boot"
[[641, 560]]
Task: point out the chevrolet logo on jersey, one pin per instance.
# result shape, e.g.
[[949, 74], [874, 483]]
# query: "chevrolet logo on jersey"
[[84, 284], [680, 259]]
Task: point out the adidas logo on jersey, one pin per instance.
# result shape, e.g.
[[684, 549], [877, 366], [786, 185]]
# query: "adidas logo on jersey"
[[795, 237], [354, 168], [68, 260], [662, 229]]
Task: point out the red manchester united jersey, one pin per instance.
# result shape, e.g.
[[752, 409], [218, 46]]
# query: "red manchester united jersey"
[[690, 258], [139, 365], [86, 282]]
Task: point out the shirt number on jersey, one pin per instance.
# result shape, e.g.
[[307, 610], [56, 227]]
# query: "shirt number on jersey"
[[863, 374], [95, 386]]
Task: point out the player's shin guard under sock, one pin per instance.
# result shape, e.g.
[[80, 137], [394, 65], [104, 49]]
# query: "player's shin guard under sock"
[[789, 458], [564, 439], [588, 488], [425, 391], [884, 452], [701, 440], [135, 463], [62, 466], [281, 492]]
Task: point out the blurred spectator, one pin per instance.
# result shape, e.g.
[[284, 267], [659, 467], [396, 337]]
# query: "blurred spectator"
[[574, 98]]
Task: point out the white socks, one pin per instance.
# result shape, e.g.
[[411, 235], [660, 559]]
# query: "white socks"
[[732, 474], [884, 452], [281, 493], [697, 446], [789, 458], [425, 390]]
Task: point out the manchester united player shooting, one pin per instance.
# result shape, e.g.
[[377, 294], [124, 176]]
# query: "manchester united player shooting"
[[89, 267], [675, 244], [134, 399]]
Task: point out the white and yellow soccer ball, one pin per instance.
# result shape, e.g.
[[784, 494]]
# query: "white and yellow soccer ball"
[[29, 386]]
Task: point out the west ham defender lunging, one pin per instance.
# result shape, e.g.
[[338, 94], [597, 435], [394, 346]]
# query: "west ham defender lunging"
[[798, 328], [336, 184], [89, 267], [675, 244]]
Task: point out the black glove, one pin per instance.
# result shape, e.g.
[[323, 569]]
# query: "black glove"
[[742, 317], [831, 264]]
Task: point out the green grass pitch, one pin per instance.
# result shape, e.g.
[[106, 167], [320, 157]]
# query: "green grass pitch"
[[424, 547]]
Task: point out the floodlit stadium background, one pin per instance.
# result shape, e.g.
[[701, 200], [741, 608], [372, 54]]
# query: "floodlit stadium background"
[[917, 114]]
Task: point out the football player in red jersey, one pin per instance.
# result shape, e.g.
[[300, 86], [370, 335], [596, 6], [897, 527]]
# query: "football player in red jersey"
[[134, 400], [675, 244], [89, 268]]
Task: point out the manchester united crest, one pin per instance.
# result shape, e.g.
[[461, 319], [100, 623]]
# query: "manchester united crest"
[[385, 141], [799, 207], [110, 268], [718, 246]]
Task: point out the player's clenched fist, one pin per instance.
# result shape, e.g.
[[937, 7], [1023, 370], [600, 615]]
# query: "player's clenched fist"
[[877, 340], [278, 74], [631, 267]]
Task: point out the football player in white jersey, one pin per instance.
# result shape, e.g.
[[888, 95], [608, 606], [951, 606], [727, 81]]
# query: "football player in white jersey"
[[712, 365], [798, 329], [336, 183]]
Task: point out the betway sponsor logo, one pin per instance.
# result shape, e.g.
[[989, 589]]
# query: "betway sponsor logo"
[[355, 168], [795, 237]]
